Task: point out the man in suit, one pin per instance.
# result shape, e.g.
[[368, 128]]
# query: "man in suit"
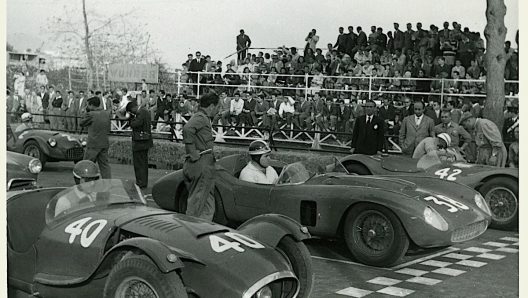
[[362, 38], [351, 42], [98, 125], [223, 109], [140, 122], [81, 109], [408, 108], [45, 102], [368, 136], [415, 128], [304, 112], [455, 131], [387, 112], [398, 37], [197, 65], [70, 106], [247, 116], [433, 111], [343, 117], [341, 41], [243, 43]]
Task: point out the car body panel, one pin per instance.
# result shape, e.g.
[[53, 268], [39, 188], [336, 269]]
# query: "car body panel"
[[18, 174], [322, 202], [56, 259]]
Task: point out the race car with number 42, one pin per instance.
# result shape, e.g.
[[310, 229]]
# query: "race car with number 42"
[[100, 239], [499, 186], [378, 217]]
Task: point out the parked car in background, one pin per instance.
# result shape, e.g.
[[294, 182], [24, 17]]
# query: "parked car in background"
[[22, 171], [45, 145]]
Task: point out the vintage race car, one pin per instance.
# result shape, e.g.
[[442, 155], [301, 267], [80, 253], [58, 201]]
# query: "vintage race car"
[[377, 216], [100, 239], [45, 145], [499, 186], [22, 171]]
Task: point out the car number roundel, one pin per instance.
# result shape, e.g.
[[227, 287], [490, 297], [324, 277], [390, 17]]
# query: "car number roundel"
[[87, 233], [219, 244], [452, 205]]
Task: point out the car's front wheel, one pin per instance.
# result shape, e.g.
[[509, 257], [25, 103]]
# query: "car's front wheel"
[[375, 235], [502, 196], [138, 276], [301, 261], [32, 149]]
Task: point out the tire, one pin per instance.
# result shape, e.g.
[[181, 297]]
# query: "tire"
[[301, 261], [219, 216], [140, 273], [502, 196], [375, 236], [32, 149], [355, 168]]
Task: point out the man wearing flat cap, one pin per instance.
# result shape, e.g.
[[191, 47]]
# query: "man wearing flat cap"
[[490, 148]]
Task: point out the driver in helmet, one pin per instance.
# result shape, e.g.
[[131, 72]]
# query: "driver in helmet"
[[433, 146], [27, 122], [84, 171], [258, 169]]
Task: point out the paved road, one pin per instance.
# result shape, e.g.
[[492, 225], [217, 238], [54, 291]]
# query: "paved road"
[[484, 267]]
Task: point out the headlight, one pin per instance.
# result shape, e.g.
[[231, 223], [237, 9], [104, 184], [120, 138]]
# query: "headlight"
[[83, 142], [481, 203], [35, 166], [264, 292], [434, 219], [52, 142]]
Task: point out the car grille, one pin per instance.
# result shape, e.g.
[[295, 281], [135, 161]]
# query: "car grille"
[[75, 153], [20, 184], [469, 232]]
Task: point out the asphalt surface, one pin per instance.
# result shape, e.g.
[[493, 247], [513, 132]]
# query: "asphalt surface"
[[484, 267]]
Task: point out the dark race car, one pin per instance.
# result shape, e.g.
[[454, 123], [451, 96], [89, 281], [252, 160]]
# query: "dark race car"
[[499, 186], [100, 239], [45, 145], [377, 216], [22, 171]]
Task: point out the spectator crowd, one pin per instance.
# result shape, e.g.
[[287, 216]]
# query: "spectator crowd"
[[310, 88]]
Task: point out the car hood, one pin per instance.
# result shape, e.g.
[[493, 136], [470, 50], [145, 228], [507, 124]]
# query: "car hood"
[[17, 159], [389, 183]]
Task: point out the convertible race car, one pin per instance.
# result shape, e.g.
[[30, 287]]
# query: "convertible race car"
[[377, 216], [100, 239], [499, 186], [22, 171], [45, 145]]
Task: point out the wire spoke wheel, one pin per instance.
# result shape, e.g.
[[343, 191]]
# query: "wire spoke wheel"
[[135, 287], [503, 203], [32, 151], [373, 233]]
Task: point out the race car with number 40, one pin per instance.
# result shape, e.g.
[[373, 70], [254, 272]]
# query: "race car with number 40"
[[100, 239], [378, 217], [499, 186]]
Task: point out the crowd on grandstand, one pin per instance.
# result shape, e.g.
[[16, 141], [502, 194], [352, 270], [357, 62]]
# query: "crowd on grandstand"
[[326, 94]]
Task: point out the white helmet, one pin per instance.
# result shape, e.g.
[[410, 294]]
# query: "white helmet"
[[26, 117], [445, 137]]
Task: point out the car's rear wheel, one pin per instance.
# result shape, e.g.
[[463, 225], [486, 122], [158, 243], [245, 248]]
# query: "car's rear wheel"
[[375, 235], [355, 168], [138, 276], [502, 196], [182, 196], [32, 149], [300, 259]]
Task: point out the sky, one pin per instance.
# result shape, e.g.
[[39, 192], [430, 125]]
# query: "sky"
[[180, 27]]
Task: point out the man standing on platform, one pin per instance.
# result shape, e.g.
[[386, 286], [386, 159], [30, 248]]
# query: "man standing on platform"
[[415, 128], [369, 132], [199, 170], [98, 124], [243, 44]]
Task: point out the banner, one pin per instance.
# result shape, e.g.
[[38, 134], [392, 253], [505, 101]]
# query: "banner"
[[133, 73]]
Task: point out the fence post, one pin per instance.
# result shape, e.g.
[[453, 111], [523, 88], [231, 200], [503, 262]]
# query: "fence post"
[[179, 82], [249, 82], [198, 88], [305, 84], [370, 88], [442, 94]]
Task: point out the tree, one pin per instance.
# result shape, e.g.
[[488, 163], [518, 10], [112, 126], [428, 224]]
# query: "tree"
[[99, 40], [495, 60]]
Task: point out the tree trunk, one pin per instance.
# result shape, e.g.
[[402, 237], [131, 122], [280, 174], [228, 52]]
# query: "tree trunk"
[[495, 60], [88, 49]]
